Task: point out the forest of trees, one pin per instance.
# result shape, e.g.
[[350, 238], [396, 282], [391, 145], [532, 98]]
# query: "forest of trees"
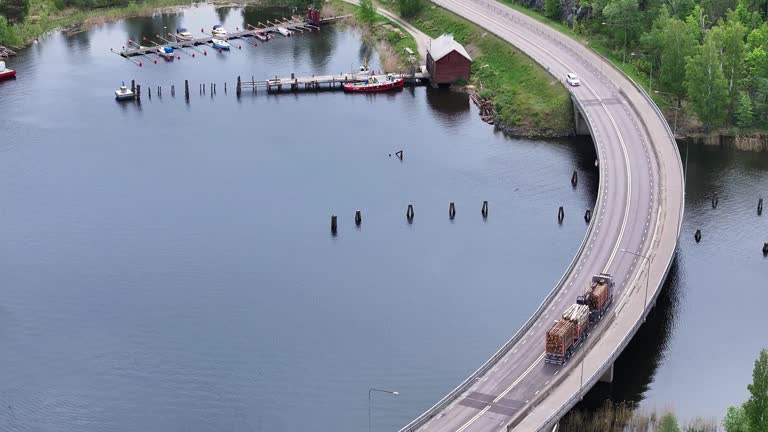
[[709, 55]]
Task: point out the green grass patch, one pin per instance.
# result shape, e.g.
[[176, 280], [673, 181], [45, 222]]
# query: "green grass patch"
[[525, 96]]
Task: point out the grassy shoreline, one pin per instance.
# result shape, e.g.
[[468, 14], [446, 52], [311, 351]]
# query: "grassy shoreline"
[[527, 100], [388, 36], [45, 17]]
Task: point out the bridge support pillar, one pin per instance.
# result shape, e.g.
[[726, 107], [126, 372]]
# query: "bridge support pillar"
[[607, 376], [580, 122]]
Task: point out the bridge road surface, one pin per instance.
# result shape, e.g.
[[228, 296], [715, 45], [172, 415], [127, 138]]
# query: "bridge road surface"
[[639, 208]]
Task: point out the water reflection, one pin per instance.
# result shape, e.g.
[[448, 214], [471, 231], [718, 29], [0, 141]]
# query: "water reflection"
[[636, 367], [448, 102]]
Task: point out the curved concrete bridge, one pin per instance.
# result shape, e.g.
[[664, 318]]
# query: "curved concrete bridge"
[[639, 209]]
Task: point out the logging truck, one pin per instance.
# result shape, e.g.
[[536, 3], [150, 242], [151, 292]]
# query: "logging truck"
[[570, 332]]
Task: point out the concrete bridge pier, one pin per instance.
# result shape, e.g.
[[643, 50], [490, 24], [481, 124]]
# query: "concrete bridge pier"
[[608, 375], [582, 128]]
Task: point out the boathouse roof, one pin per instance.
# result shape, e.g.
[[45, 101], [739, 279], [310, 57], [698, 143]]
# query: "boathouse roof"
[[443, 46]]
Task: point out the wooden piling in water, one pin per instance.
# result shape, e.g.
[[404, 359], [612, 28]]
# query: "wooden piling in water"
[[358, 217], [409, 213], [560, 214], [451, 211], [239, 87], [133, 86], [760, 207], [765, 248], [138, 91], [186, 89], [484, 210], [173, 90], [333, 225], [574, 179]]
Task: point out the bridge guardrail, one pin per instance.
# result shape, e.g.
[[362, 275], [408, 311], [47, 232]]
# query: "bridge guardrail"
[[556, 416], [453, 394]]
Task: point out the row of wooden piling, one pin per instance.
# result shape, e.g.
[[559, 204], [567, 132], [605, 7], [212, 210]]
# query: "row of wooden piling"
[[410, 215]]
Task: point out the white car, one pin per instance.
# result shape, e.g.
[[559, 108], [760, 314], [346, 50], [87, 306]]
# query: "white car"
[[573, 79]]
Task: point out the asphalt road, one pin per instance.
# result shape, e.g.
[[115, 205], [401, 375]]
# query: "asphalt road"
[[639, 209]]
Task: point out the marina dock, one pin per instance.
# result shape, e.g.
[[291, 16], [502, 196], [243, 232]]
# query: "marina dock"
[[260, 32]]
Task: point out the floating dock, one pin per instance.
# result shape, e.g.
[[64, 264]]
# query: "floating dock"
[[292, 26]]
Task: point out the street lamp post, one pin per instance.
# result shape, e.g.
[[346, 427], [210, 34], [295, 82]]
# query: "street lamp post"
[[369, 401], [647, 274]]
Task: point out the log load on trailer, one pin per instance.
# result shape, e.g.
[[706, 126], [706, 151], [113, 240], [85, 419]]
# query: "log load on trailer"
[[598, 297], [560, 342], [566, 335]]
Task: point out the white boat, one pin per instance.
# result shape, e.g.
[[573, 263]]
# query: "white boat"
[[166, 52], [220, 44], [124, 93], [183, 34], [284, 31], [218, 30]]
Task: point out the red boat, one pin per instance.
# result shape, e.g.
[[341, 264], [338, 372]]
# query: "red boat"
[[5, 72], [374, 84]]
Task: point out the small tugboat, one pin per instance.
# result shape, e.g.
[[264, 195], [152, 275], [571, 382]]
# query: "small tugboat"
[[6, 73], [124, 93], [183, 34], [373, 84], [220, 44], [218, 30], [166, 52], [284, 31]]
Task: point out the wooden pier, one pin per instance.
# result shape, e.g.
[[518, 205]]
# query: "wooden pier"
[[318, 82], [293, 26]]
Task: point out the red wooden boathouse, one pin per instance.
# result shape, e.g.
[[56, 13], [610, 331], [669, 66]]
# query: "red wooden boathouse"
[[447, 61]]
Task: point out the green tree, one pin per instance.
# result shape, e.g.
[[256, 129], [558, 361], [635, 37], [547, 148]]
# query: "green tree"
[[707, 87], [409, 8], [552, 9], [717, 9], [668, 423], [735, 420], [697, 23], [367, 11], [677, 44], [756, 408], [14, 10], [622, 17], [730, 38], [760, 101], [744, 113]]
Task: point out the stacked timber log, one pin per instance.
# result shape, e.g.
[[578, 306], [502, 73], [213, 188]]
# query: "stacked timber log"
[[487, 113], [596, 295], [579, 316], [560, 337], [6, 52]]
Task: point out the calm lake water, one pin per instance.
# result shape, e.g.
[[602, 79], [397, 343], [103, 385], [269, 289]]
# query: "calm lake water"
[[169, 266], [696, 352]]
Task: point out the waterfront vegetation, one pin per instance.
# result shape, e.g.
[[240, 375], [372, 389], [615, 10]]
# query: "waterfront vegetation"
[[391, 39], [22, 21], [708, 59], [527, 100], [751, 416]]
